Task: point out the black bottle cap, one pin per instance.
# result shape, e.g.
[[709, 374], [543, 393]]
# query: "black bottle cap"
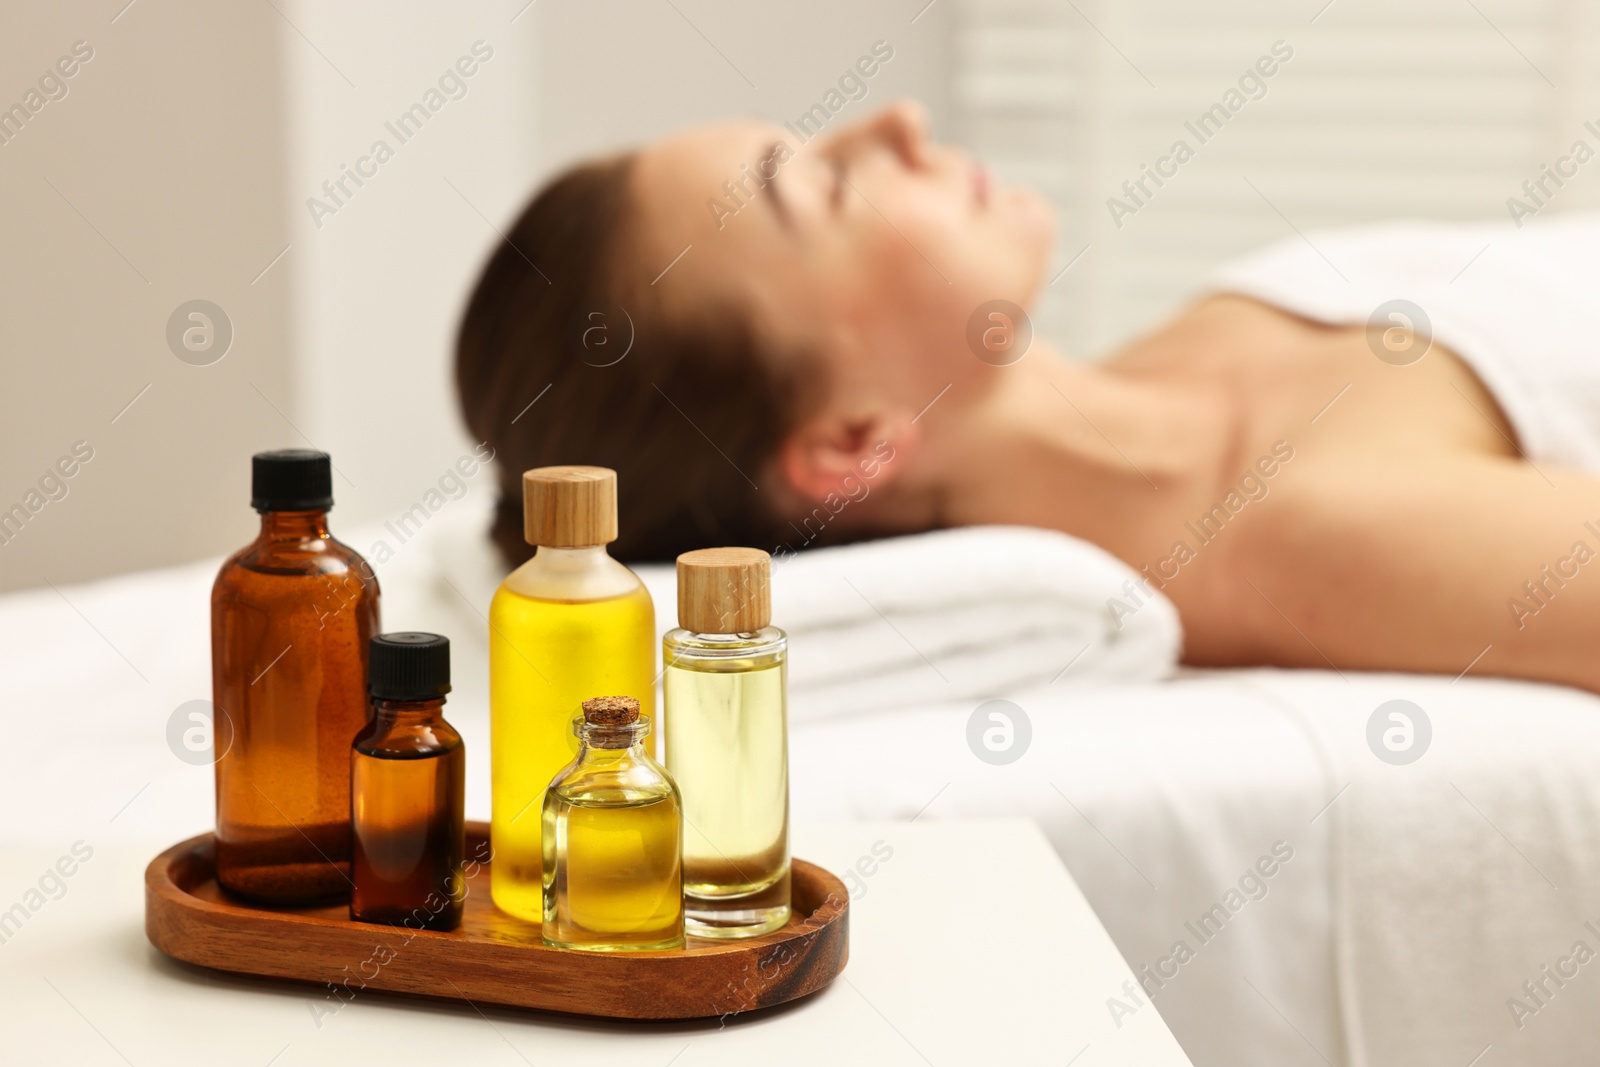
[[291, 479], [408, 666]]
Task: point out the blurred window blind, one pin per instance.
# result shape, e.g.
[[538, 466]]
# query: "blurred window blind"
[[1427, 108]]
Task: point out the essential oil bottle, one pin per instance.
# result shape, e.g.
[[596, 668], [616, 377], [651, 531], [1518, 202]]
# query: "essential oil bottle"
[[291, 615], [408, 800], [569, 623], [724, 700], [613, 839]]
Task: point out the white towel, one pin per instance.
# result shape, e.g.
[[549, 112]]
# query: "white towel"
[[969, 613]]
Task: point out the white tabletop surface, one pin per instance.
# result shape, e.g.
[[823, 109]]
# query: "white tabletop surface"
[[969, 944]]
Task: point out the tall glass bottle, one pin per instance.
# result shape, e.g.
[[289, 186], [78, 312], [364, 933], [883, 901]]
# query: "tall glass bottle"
[[725, 709], [613, 840], [408, 791], [569, 623], [291, 615]]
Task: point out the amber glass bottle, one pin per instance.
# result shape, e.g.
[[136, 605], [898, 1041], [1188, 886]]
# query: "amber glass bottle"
[[408, 791], [291, 615]]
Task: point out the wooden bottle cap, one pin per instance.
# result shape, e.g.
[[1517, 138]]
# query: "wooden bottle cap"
[[724, 590], [610, 711], [569, 507]]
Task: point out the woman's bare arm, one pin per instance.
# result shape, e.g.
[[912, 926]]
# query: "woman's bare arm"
[[1421, 565]]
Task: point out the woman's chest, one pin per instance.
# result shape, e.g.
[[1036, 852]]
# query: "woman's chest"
[[1330, 391]]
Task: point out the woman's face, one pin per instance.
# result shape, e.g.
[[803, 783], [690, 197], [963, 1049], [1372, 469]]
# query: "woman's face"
[[867, 243]]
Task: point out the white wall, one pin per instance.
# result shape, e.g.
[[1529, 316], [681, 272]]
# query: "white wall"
[[613, 72], [153, 181], [380, 281], [184, 153]]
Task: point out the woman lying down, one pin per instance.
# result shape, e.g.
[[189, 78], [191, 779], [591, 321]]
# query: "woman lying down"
[[1376, 451]]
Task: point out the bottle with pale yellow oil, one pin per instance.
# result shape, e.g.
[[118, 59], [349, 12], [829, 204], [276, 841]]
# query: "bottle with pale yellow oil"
[[725, 716], [613, 840], [569, 623]]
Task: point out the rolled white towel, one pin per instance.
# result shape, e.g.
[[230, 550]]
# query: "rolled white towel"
[[974, 612]]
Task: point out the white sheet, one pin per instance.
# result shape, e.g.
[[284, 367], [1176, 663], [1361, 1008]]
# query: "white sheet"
[[1461, 875]]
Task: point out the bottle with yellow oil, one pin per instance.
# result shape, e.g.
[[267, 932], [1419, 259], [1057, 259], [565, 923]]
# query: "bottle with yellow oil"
[[724, 704], [569, 623], [613, 839]]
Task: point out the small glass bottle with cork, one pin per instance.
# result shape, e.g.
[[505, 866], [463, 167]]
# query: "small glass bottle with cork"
[[724, 704], [613, 839]]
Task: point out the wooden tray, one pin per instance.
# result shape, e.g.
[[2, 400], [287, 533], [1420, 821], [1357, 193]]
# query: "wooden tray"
[[492, 958]]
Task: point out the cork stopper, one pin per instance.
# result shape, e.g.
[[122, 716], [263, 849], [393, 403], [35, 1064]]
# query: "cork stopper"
[[611, 711], [724, 590], [569, 507]]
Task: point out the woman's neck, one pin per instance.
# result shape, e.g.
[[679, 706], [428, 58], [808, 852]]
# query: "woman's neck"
[[1076, 447]]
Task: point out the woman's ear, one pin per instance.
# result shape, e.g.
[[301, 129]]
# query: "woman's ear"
[[838, 455]]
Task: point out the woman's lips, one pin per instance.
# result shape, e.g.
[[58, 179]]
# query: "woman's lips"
[[980, 184]]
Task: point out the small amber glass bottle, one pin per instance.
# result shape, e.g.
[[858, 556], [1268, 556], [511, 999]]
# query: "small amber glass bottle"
[[613, 840], [408, 770], [291, 615], [724, 704]]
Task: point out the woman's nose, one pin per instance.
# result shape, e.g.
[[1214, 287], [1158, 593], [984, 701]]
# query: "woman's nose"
[[902, 127]]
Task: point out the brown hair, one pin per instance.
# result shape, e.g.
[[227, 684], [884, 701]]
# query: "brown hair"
[[690, 415]]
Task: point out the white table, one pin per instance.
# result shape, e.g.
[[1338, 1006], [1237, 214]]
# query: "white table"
[[994, 960]]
